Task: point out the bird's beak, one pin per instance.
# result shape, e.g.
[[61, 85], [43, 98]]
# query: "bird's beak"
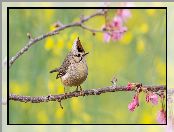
[[85, 53]]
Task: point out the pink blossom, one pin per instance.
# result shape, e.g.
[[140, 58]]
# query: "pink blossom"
[[117, 21], [153, 98], [124, 14], [123, 29], [136, 100], [161, 117], [115, 30], [117, 35], [131, 106], [134, 103], [107, 37], [129, 86]]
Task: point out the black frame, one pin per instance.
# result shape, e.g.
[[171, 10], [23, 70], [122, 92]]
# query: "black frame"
[[8, 8]]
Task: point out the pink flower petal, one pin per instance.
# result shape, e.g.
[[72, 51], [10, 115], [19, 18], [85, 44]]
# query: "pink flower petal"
[[116, 35], [129, 86], [136, 100], [153, 98], [107, 37], [123, 29], [161, 117], [133, 104], [124, 14], [117, 22], [131, 107]]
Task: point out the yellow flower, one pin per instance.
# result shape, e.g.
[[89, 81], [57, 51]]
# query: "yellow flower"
[[151, 12], [53, 27], [60, 43], [127, 38], [71, 41], [51, 86], [18, 88], [48, 14], [73, 36], [147, 118], [60, 89], [76, 105], [56, 51], [140, 46], [160, 68], [69, 45], [42, 117], [15, 87], [60, 113], [144, 28], [58, 47], [49, 43]]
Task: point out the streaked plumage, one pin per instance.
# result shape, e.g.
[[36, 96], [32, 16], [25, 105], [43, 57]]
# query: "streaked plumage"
[[74, 70]]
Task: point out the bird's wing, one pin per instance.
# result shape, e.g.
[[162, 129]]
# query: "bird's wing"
[[63, 68]]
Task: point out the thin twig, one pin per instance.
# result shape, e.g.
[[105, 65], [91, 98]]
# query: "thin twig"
[[56, 31], [60, 97], [90, 29]]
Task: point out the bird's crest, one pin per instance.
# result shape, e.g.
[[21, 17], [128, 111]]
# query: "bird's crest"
[[77, 46]]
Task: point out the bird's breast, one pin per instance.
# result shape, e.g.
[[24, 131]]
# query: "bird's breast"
[[76, 74]]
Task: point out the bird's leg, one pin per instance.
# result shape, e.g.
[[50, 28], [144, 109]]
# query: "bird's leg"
[[80, 88], [77, 88], [81, 91], [64, 94]]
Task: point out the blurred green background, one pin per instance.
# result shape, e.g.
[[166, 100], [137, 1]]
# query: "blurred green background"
[[139, 57]]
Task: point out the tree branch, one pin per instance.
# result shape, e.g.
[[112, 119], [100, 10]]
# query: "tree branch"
[[60, 97], [90, 29], [32, 41]]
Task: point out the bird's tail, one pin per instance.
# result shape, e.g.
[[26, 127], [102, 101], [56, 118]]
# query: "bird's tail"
[[55, 70]]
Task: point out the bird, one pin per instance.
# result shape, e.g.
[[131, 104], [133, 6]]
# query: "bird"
[[74, 69]]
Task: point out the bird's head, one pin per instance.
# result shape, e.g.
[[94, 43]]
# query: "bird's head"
[[78, 51]]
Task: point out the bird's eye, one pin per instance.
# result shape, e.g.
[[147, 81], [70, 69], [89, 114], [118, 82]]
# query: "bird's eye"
[[78, 55]]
